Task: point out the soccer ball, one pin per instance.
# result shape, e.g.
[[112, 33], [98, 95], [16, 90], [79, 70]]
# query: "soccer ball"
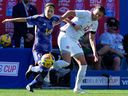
[[5, 40], [47, 60]]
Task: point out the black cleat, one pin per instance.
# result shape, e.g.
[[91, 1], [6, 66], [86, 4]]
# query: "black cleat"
[[29, 72], [29, 88]]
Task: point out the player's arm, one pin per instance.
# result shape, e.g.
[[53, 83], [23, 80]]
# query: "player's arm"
[[69, 13], [93, 45], [15, 20]]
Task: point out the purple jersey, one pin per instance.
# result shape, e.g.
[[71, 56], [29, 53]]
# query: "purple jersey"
[[43, 34]]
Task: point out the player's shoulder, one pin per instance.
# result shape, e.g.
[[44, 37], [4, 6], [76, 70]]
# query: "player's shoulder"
[[83, 13], [88, 13], [55, 17]]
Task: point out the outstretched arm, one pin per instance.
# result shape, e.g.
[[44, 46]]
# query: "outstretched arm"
[[93, 45], [15, 20], [69, 13]]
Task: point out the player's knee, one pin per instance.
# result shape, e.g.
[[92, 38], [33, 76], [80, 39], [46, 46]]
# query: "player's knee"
[[82, 70]]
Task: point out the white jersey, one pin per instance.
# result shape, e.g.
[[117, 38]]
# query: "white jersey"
[[84, 19]]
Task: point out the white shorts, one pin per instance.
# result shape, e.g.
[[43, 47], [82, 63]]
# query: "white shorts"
[[67, 44]]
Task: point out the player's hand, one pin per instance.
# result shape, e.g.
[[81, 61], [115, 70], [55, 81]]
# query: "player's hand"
[[6, 20], [95, 57]]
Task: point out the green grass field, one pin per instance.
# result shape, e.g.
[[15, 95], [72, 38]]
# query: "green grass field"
[[61, 92]]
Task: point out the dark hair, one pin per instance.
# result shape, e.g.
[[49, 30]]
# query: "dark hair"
[[101, 9], [50, 4], [112, 21]]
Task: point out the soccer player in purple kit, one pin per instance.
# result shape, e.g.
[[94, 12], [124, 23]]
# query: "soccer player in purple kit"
[[43, 40]]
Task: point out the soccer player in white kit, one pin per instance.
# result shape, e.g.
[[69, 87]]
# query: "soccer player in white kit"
[[83, 21]]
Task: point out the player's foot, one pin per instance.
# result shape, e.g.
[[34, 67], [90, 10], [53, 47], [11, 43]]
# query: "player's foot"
[[79, 91], [29, 72], [29, 88]]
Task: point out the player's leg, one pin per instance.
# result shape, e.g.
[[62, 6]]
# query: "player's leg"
[[65, 47], [81, 71], [39, 78], [43, 71], [32, 68], [78, 55]]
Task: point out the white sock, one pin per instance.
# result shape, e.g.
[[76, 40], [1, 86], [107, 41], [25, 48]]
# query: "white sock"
[[80, 76], [33, 82], [60, 64], [36, 69]]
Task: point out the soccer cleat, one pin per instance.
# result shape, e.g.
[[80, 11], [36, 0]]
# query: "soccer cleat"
[[29, 72], [29, 88], [80, 91]]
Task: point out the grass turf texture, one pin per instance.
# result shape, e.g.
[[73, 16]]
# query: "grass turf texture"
[[61, 92]]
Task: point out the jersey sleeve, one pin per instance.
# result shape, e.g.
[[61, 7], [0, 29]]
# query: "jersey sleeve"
[[32, 20], [56, 18]]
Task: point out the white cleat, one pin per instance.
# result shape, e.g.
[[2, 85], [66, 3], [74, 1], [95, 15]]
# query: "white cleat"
[[29, 88], [79, 91]]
